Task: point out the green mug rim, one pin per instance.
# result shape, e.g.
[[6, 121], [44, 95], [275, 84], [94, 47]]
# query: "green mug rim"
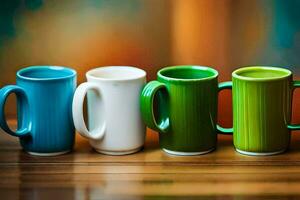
[[180, 67], [235, 73]]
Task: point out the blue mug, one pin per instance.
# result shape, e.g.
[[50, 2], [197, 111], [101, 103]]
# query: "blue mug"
[[44, 105]]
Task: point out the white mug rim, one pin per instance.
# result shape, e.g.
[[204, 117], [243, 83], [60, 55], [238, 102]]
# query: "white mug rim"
[[136, 73]]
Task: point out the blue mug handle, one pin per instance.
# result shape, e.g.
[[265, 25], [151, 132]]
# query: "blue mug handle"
[[24, 124]]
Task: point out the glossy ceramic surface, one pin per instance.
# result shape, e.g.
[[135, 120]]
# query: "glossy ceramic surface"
[[262, 107], [44, 98], [114, 117], [182, 106]]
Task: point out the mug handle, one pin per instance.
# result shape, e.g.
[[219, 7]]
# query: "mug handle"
[[221, 130], [146, 103], [77, 111], [24, 123], [295, 127]]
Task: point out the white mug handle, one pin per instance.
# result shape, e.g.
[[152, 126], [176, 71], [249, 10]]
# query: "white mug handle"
[[77, 110]]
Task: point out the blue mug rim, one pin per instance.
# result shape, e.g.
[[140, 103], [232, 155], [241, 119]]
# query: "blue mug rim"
[[72, 72]]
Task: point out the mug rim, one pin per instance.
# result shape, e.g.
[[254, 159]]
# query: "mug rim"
[[235, 73], [142, 73], [20, 75], [180, 67]]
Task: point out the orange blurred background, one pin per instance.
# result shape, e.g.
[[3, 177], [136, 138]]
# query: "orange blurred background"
[[150, 34]]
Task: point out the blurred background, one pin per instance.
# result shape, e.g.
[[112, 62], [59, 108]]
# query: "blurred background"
[[150, 34]]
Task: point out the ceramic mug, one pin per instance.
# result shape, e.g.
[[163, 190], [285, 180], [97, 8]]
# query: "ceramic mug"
[[262, 109], [185, 112], [44, 104], [114, 118]]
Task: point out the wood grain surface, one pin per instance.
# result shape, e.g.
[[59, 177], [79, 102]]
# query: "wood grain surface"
[[149, 174]]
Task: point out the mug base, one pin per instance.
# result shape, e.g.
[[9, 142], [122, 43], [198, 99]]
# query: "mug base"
[[118, 153], [47, 154], [179, 153], [248, 153]]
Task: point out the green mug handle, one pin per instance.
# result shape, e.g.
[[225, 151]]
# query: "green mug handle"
[[226, 131], [146, 104], [295, 127]]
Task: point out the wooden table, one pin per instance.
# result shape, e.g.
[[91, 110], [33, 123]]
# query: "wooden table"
[[149, 174]]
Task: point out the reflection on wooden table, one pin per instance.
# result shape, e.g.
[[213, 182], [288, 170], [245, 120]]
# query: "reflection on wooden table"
[[149, 174]]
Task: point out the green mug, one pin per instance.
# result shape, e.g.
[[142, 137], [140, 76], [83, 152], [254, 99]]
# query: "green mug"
[[262, 109], [182, 106]]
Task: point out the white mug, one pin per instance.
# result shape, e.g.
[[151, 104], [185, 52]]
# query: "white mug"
[[114, 118]]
